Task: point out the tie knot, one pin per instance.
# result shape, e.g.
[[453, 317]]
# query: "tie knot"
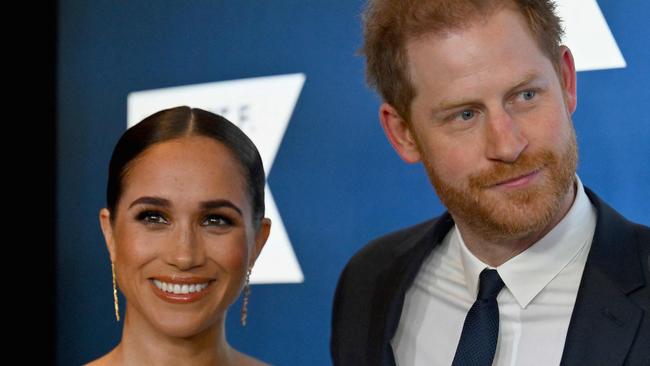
[[490, 283]]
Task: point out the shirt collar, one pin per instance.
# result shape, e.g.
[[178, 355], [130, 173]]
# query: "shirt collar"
[[526, 274]]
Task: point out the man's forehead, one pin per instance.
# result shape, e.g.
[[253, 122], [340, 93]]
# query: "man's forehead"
[[490, 58], [466, 15], [505, 32]]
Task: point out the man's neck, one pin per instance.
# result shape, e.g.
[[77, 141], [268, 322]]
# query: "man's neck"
[[496, 252]]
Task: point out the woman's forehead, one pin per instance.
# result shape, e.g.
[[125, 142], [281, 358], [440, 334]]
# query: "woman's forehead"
[[188, 168]]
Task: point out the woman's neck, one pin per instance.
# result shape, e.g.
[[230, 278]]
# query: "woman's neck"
[[142, 344]]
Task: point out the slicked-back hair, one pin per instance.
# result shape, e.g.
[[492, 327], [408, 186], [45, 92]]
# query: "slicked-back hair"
[[173, 123]]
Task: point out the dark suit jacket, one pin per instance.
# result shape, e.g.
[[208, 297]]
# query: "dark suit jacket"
[[610, 323]]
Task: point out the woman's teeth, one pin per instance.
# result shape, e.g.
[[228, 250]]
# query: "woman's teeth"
[[176, 288]]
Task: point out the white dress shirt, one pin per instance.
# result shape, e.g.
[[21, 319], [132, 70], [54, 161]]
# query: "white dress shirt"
[[535, 305]]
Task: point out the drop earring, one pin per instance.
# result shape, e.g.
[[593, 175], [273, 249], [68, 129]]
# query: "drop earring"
[[247, 293], [117, 307]]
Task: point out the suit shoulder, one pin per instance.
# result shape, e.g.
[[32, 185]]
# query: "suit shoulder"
[[643, 245], [382, 250], [643, 235], [357, 289]]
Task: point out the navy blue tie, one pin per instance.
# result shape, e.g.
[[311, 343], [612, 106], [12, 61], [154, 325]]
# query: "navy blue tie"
[[478, 341]]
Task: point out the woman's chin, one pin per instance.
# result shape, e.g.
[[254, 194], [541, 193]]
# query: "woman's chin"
[[183, 327]]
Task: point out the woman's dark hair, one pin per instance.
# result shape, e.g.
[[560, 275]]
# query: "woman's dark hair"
[[178, 122]]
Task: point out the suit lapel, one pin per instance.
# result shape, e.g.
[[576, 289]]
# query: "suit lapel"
[[388, 298], [604, 321]]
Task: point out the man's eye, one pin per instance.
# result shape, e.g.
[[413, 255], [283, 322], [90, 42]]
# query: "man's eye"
[[152, 217], [467, 115], [528, 94], [217, 220]]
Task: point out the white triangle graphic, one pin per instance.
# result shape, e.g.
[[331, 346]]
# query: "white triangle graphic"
[[262, 108], [588, 36]]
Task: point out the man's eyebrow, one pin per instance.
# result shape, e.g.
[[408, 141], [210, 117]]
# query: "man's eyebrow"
[[206, 205], [527, 79], [449, 105], [446, 106], [148, 200]]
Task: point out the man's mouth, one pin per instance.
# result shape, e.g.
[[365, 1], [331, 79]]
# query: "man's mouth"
[[518, 181]]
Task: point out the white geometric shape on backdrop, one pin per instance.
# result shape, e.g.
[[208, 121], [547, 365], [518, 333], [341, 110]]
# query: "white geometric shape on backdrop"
[[588, 36]]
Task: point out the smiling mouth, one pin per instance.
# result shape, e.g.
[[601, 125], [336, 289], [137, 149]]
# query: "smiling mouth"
[[518, 181], [179, 289]]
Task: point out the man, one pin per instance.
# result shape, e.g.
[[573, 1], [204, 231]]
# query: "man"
[[527, 267]]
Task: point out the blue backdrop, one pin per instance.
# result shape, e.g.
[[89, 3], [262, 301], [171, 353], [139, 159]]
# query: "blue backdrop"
[[336, 180]]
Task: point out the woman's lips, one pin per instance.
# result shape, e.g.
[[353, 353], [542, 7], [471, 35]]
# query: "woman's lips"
[[181, 290]]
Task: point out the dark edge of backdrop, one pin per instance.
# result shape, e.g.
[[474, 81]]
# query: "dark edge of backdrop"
[[28, 209]]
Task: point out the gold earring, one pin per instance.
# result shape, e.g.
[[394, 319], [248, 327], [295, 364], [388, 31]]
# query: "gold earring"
[[244, 304], [117, 307]]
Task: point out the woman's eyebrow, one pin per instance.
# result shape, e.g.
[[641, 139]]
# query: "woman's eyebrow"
[[155, 201], [206, 205]]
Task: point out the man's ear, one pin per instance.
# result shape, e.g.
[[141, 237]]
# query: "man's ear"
[[261, 237], [569, 78], [107, 230], [399, 134]]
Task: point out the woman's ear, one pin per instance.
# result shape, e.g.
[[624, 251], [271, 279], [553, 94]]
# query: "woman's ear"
[[107, 230], [261, 237]]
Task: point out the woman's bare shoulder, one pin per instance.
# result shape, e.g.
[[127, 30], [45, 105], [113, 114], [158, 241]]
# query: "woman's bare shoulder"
[[102, 361], [246, 360], [105, 360]]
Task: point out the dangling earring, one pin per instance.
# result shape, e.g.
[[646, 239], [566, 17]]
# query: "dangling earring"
[[117, 307], [244, 304]]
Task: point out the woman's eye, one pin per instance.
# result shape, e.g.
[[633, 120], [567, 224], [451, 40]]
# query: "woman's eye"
[[217, 220], [152, 217]]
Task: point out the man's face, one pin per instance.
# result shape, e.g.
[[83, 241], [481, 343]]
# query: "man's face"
[[491, 122]]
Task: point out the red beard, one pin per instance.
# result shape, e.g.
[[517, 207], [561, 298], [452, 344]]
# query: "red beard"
[[494, 214]]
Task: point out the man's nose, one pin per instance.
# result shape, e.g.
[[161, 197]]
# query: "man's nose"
[[185, 248], [505, 140]]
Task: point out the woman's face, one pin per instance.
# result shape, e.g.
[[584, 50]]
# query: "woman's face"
[[183, 236]]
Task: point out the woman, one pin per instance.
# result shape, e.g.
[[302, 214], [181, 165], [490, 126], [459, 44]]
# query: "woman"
[[184, 224]]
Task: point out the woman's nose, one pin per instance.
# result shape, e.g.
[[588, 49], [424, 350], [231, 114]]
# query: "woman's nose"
[[185, 249]]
